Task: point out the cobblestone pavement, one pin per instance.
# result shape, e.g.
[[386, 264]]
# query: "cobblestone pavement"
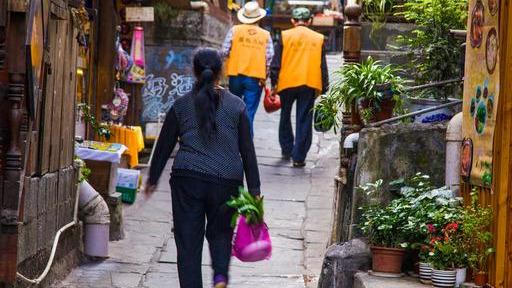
[[298, 206]]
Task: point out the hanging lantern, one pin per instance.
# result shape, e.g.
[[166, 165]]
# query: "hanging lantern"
[[137, 73], [138, 46]]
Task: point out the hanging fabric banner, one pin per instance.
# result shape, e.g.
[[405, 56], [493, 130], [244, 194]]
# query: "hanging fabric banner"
[[481, 92]]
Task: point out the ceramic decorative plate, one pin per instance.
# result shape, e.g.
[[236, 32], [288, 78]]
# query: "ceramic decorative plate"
[[491, 50], [477, 24]]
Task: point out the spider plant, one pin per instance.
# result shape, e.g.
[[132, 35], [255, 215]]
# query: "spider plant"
[[325, 114], [377, 12]]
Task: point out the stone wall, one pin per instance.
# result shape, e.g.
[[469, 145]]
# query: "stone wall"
[[49, 203], [380, 39], [170, 43], [377, 43], [394, 151]]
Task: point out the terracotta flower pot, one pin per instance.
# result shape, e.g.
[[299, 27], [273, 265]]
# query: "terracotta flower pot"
[[481, 278], [444, 278], [387, 260], [383, 112], [386, 110]]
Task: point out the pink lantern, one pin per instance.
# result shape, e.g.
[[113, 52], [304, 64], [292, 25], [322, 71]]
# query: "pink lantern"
[[137, 50], [137, 74]]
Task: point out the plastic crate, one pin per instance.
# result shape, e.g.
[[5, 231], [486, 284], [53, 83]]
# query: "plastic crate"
[[128, 195]]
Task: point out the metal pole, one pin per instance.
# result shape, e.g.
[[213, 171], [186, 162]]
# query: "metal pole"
[[397, 118]]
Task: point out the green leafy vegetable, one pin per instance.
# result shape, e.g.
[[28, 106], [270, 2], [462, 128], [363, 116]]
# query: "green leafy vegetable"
[[247, 205]]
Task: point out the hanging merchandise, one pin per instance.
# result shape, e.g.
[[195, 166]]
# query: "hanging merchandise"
[[82, 22], [136, 74], [124, 62], [119, 105]]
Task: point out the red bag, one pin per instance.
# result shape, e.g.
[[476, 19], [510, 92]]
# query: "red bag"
[[271, 102]]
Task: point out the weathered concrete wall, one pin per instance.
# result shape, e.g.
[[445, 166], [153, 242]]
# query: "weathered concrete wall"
[[387, 35], [394, 151], [170, 44], [48, 205], [377, 43]]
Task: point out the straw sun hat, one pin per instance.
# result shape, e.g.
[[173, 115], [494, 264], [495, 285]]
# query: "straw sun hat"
[[251, 13]]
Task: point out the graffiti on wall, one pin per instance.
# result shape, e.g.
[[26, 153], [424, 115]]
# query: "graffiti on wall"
[[169, 77]]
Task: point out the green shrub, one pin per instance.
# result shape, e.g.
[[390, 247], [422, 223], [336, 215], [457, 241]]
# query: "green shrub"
[[435, 53]]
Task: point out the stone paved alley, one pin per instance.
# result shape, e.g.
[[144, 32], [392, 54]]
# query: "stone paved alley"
[[298, 211]]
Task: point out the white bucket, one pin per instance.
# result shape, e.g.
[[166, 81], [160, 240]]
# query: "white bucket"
[[96, 240]]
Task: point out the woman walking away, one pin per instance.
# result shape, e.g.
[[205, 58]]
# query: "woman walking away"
[[213, 130]]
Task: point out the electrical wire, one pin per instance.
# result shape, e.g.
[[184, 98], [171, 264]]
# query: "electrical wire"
[[54, 247]]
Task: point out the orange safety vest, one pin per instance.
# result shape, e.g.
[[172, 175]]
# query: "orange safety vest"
[[302, 59], [248, 52]]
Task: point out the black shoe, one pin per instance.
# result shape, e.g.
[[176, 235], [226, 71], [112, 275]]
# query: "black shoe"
[[299, 164], [286, 157]]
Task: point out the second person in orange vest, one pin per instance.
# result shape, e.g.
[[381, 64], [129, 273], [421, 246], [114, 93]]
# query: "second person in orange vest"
[[298, 73], [249, 51]]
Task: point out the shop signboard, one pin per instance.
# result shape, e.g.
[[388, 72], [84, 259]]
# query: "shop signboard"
[[140, 14]]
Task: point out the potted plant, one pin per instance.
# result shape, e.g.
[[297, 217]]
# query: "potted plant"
[[326, 114], [444, 256], [427, 204], [382, 225], [370, 90], [478, 239]]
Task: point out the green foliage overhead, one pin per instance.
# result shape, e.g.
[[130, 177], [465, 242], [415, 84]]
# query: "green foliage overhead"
[[435, 52]]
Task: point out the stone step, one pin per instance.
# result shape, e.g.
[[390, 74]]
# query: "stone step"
[[365, 280]]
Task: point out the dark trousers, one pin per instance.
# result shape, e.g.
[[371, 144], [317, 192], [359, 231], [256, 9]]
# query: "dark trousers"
[[297, 147], [193, 201]]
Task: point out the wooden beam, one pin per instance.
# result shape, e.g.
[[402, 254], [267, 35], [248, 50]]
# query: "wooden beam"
[[500, 275], [13, 166], [106, 50], [182, 4], [18, 5]]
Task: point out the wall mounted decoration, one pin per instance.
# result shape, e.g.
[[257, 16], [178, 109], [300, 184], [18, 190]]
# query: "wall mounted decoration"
[[481, 92]]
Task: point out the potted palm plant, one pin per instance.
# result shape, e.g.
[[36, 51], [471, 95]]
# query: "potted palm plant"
[[370, 90], [382, 225]]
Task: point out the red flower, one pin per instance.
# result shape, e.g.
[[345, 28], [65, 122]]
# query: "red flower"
[[431, 228], [452, 226], [435, 239]]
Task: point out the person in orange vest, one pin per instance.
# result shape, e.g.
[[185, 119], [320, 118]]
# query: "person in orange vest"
[[249, 51], [298, 73]]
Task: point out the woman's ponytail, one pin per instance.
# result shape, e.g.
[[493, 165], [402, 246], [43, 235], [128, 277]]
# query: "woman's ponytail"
[[207, 68]]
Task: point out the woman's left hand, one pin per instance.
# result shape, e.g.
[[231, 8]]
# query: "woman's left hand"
[[149, 190]]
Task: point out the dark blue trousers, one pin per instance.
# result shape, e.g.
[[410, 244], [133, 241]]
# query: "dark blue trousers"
[[297, 146], [249, 89], [196, 203]]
